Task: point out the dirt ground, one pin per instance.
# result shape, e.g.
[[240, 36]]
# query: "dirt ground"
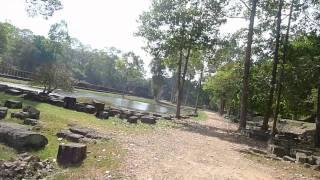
[[208, 149]]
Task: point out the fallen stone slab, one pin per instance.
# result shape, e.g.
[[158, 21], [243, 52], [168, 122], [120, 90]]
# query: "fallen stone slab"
[[80, 107], [133, 119], [88, 132], [288, 158], [13, 92], [73, 137], [89, 109], [13, 104], [114, 112], [3, 112], [71, 154], [20, 137], [31, 122], [102, 115], [33, 112], [167, 117], [20, 115], [301, 158], [3, 87], [277, 150], [148, 119]]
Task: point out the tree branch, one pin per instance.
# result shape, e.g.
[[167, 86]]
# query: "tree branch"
[[245, 4]]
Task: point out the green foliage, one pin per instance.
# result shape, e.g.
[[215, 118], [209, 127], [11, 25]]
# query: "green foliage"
[[44, 8]]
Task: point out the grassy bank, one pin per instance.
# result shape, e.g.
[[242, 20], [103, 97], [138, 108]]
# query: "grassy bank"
[[103, 156]]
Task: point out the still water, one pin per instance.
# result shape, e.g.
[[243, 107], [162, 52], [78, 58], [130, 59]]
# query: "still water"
[[115, 101]]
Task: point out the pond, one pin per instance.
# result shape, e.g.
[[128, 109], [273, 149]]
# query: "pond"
[[105, 97]]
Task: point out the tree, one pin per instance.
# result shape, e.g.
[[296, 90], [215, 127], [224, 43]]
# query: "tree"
[[53, 76], [44, 8], [246, 74], [176, 27]]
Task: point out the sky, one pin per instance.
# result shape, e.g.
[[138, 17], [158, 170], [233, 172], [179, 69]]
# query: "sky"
[[98, 23]]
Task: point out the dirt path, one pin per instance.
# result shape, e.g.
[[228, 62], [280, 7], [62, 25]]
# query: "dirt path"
[[196, 150]]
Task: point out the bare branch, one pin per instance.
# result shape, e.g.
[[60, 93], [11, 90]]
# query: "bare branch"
[[245, 4]]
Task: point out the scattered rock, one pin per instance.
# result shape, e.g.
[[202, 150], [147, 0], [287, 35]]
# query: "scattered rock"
[[31, 122], [71, 154], [73, 137], [277, 150], [14, 92], [306, 165], [33, 112], [13, 104], [20, 115], [89, 109], [315, 167], [102, 115], [26, 167], [148, 119], [288, 158], [3, 112], [114, 112], [167, 117], [133, 119], [3, 87], [301, 158], [70, 102]]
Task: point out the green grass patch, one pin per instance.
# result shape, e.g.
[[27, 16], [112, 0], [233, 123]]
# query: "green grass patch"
[[103, 156], [202, 116], [3, 79]]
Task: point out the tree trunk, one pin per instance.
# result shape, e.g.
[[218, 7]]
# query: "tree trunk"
[[274, 69], [198, 93], [247, 63], [222, 104], [317, 133], [274, 127], [179, 84]]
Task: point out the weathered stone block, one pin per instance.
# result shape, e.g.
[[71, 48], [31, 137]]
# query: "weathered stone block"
[[277, 150], [301, 158], [19, 115], [70, 102], [70, 136], [3, 112], [133, 119], [148, 119], [14, 92], [89, 109], [71, 154], [31, 122], [102, 115], [13, 104], [33, 112]]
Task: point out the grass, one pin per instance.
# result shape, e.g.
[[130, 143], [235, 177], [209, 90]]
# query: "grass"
[[3, 79], [104, 156], [202, 116]]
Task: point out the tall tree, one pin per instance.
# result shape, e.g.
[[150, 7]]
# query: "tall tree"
[[44, 8], [178, 26], [274, 68], [246, 74]]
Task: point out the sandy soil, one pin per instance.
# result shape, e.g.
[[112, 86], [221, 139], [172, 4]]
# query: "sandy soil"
[[195, 150]]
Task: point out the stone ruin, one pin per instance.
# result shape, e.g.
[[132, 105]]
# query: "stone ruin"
[[26, 166]]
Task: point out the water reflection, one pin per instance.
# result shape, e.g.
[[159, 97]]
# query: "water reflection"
[[115, 101]]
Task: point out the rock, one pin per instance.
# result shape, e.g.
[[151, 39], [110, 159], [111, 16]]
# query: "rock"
[[98, 106], [89, 133], [306, 165], [71, 154], [89, 109], [167, 117], [288, 158], [31, 122], [277, 150], [70, 102], [114, 112], [19, 115], [80, 107], [33, 112], [133, 119], [315, 167], [3, 112], [14, 92], [73, 137], [301, 158], [102, 115], [3, 87], [156, 115], [148, 119], [257, 134], [19, 137], [124, 115], [13, 104], [139, 115], [317, 160]]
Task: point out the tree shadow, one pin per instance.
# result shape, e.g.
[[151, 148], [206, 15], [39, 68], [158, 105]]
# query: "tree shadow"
[[230, 135]]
